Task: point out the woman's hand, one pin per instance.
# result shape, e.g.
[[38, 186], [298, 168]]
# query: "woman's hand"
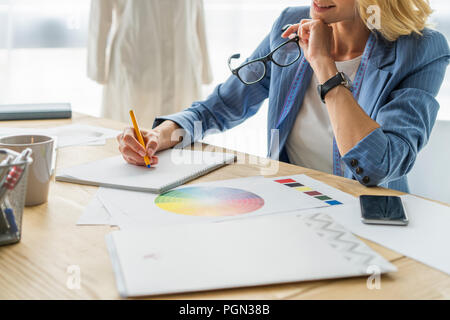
[[162, 137], [316, 39], [133, 152]]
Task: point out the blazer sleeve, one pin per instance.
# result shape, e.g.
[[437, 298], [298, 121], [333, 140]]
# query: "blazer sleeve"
[[229, 105], [406, 120], [100, 22]]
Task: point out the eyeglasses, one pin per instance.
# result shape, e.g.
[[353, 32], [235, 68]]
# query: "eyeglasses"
[[254, 71]]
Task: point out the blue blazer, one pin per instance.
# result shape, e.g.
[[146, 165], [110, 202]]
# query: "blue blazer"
[[398, 92]]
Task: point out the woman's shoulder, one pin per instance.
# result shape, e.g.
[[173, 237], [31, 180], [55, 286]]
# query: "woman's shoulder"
[[431, 44]]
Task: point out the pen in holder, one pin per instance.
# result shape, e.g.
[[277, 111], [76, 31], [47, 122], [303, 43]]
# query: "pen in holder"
[[13, 186]]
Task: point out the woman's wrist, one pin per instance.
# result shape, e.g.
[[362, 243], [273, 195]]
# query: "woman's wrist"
[[324, 69], [166, 129]]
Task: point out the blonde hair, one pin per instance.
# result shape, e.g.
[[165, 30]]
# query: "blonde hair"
[[397, 17]]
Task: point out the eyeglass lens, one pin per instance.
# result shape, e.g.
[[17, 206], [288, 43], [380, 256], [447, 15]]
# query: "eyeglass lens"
[[252, 72], [286, 54]]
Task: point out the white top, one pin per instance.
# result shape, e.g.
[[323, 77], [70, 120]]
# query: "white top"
[[310, 143]]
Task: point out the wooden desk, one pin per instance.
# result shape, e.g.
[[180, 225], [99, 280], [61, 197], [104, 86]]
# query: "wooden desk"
[[37, 267]]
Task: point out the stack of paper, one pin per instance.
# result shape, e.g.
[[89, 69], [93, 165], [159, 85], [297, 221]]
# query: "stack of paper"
[[69, 135], [425, 239], [211, 202], [250, 252], [207, 210]]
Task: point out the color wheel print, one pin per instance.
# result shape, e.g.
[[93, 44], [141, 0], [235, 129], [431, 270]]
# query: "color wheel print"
[[209, 201]]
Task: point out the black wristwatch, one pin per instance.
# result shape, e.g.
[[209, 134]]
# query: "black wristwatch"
[[339, 79]]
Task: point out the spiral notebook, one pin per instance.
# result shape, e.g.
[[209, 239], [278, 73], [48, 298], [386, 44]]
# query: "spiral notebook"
[[175, 167]]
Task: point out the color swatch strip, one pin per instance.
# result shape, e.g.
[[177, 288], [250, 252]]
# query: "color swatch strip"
[[291, 183]]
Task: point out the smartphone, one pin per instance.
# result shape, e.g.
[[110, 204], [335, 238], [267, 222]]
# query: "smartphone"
[[384, 210]]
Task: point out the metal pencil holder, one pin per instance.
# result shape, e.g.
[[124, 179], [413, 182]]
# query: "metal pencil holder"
[[13, 186]]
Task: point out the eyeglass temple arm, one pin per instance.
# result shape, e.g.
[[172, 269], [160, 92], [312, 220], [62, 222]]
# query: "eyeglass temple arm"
[[234, 56], [286, 27], [238, 55]]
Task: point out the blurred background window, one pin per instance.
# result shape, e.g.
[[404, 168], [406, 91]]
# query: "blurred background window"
[[43, 54]]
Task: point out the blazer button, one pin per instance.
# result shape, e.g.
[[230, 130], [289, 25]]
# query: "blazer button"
[[366, 180], [359, 170], [354, 162]]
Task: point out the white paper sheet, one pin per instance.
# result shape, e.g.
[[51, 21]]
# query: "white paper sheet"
[[68, 135], [425, 239], [96, 214], [236, 254], [80, 134], [138, 210]]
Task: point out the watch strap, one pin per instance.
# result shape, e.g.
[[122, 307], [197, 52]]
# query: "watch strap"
[[337, 80]]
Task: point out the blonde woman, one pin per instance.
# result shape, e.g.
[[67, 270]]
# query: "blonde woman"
[[351, 91]]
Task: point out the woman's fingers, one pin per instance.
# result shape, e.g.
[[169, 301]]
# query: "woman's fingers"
[[133, 152], [137, 160], [129, 154], [130, 140], [119, 137], [152, 142], [305, 30], [140, 162], [292, 29], [302, 29], [128, 159], [305, 21], [129, 146]]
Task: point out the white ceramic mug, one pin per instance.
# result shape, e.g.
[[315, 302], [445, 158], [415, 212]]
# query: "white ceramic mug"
[[40, 171]]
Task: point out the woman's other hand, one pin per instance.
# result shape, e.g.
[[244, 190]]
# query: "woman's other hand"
[[315, 40]]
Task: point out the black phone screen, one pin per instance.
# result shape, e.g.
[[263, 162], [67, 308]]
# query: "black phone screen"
[[383, 208]]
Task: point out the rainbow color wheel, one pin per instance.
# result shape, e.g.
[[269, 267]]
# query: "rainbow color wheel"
[[209, 202]]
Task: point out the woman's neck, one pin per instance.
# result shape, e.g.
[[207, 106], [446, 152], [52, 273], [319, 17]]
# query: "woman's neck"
[[349, 39]]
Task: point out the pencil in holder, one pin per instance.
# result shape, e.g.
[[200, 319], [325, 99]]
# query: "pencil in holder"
[[13, 186]]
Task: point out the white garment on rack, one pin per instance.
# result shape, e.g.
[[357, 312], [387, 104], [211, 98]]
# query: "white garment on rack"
[[151, 55]]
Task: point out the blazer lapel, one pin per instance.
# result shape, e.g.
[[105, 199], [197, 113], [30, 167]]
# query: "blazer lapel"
[[287, 77], [375, 78], [286, 80]]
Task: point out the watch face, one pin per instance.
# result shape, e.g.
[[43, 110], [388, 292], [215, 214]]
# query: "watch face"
[[346, 80]]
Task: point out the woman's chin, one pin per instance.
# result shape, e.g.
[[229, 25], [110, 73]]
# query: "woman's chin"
[[323, 17], [326, 20]]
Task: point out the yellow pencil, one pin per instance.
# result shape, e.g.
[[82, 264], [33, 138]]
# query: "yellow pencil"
[[139, 136]]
